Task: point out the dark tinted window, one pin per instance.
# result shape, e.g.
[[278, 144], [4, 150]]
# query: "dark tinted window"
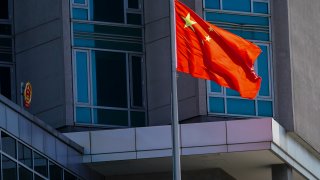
[[9, 169], [109, 79], [136, 82], [55, 172], [4, 9], [8, 144], [5, 85], [108, 11]]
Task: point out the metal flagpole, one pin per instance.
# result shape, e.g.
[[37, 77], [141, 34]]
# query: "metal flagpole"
[[174, 98]]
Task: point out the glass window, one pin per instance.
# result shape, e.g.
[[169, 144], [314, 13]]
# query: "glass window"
[[5, 81], [25, 155], [83, 115], [133, 18], [137, 80], [40, 164], [111, 117], [240, 106], [79, 13], [82, 76], [8, 144], [214, 87], [36, 177], [237, 5], [9, 169], [69, 176], [134, 4], [6, 49], [253, 25], [79, 1], [138, 119], [4, 12], [263, 71], [216, 105], [237, 19], [212, 4], [260, 7], [56, 172], [265, 108], [5, 29], [25, 174], [108, 66], [107, 11], [109, 79]]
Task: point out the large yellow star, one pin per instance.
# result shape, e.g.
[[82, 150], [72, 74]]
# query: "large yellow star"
[[208, 38], [188, 21]]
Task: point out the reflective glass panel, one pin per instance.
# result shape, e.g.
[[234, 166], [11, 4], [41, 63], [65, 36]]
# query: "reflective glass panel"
[[55, 171], [237, 5], [252, 35], [134, 19], [79, 1], [83, 115], [69, 176], [231, 92], [25, 174], [9, 169], [260, 7], [237, 19], [40, 164], [107, 11], [79, 13], [82, 76], [214, 87], [212, 4], [134, 4], [5, 29], [240, 106], [4, 9], [136, 73], [5, 83], [110, 117], [8, 144], [216, 105], [109, 79], [138, 119], [25, 155], [265, 108], [263, 71]]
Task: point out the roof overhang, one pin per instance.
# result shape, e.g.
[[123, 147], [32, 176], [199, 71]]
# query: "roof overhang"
[[245, 149]]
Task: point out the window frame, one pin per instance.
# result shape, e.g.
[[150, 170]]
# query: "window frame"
[[90, 103]]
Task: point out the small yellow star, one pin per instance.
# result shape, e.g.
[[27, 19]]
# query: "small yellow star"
[[188, 21], [208, 38], [210, 29]]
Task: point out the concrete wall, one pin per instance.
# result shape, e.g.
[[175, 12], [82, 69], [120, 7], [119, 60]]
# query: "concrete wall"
[[43, 57], [296, 42], [158, 61], [304, 34]]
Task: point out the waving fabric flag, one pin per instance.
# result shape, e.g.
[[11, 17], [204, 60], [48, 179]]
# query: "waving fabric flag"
[[208, 52]]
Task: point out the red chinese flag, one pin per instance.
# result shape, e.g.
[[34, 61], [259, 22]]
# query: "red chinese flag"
[[208, 52]]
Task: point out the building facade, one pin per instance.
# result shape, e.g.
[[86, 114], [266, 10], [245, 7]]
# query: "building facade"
[[101, 107]]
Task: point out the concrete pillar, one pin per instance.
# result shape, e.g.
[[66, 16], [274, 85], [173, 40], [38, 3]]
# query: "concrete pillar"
[[281, 172]]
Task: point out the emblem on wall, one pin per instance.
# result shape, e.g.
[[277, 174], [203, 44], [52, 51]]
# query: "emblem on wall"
[[27, 94]]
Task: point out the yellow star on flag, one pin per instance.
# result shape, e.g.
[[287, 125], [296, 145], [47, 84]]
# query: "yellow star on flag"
[[210, 29], [188, 21], [208, 38]]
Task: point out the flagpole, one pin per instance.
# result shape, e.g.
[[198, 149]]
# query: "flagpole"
[[175, 129]]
